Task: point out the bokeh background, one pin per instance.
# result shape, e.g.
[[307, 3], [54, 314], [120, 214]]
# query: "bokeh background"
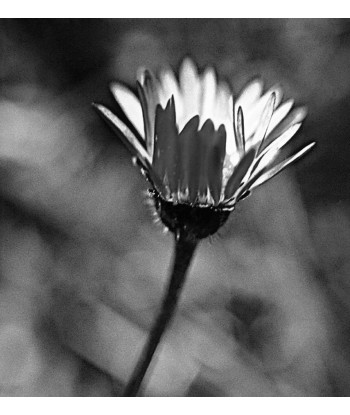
[[266, 308]]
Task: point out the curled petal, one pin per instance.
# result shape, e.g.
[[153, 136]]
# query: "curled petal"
[[148, 123], [239, 135], [128, 138], [296, 116], [260, 133], [130, 105], [281, 141], [254, 113], [280, 167], [279, 114]]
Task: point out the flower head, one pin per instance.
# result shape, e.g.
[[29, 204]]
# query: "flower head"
[[201, 150]]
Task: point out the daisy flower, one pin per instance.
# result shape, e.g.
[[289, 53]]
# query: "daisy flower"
[[201, 149]]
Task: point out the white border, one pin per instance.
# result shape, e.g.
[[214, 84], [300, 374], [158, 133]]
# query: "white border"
[[173, 9], [176, 406]]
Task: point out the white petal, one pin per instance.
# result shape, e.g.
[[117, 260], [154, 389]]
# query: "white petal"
[[238, 174], [130, 105], [250, 94], [230, 108], [222, 115], [190, 91], [140, 74], [281, 166], [129, 138], [208, 95], [270, 153], [150, 88], [248, 98], [231, 146], [171, 88], [221, 106], [260, 133], [149, 124], [279, 114], [276, 89], [282, 140], [253, 113], [296, 116], [265, 160], [240, 137], [163, 95]]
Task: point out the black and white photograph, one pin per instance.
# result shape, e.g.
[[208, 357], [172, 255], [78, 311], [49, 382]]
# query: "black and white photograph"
[[175, 207]]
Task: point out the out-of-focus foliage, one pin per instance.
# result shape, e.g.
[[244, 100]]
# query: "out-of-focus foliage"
[[265, 311]]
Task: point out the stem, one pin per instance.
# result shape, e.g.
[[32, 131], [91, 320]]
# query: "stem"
[[184, 250]]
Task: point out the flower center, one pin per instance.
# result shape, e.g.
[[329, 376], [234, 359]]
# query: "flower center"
[[197, 222]]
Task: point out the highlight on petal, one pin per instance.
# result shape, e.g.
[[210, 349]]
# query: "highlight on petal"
[[151, 88], [279, 114], [140, 74], [281, 166], [263, 162], [238, 174], [221, 113], [170, 85], [125, 134], [190, 91], [130, 105], [150, 92], [250, 94], [282, 140], [266, 116], [208, 95], [295, 116], [254, 112], [147, 121], [239, 134], [170, 88], [277, 91]]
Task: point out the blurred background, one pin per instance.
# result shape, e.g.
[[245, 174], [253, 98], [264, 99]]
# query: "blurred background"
[[266, 308]]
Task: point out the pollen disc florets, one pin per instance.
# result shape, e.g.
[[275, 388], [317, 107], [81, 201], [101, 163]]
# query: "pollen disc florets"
[[201, 150]]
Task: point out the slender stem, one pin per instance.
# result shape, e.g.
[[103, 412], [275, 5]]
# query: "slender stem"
[[184, 250]]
